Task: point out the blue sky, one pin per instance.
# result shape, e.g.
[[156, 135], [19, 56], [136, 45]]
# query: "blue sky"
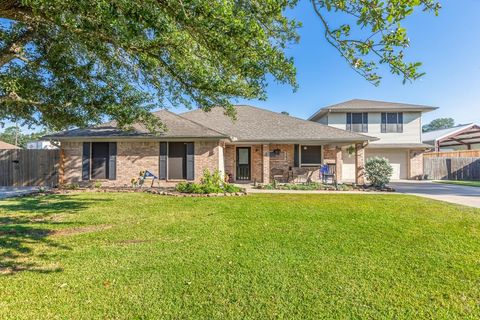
[[448, 46]]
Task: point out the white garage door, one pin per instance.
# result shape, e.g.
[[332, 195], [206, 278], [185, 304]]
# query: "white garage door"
[[398, 160]]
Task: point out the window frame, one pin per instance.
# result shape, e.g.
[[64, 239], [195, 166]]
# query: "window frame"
[[398, 124], [300, 148], [364, 123]]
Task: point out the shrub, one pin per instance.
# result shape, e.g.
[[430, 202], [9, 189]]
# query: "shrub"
[[378, 171], [210, 183]]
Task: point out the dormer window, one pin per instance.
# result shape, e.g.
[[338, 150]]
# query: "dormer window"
[[357, 121], [392, 122]]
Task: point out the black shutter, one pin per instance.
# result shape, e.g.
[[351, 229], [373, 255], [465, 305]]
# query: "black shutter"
[[190, 161], [384, 122], [86, 161], [365, 122], [296, 155], [400, 122], [349, 121], [162, 171], [112, 160]]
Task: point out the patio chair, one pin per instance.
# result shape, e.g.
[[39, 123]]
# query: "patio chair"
[[146, 175], [329, 171], [277, 175]]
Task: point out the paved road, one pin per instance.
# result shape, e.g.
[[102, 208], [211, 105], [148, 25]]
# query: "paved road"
[[7, 192], [469, 196]]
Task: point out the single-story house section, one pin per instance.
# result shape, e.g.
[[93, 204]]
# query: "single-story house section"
[[4, 145], [252, 148]]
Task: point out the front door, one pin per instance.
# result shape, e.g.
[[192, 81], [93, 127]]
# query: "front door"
[[177, 160], [99, 167], [243, 163]]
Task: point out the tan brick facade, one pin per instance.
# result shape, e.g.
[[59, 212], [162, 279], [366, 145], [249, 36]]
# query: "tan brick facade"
[[72, 165], [415, 164], [133, 157], [264, 162]]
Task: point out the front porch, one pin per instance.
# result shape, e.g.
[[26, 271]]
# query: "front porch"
[[296, 163]]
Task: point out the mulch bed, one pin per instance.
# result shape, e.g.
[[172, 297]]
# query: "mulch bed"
[[157, 191]]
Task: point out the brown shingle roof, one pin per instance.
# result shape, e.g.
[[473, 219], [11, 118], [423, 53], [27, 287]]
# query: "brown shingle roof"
[[359, 105], [177, 127], [4, 145], [255, 124]]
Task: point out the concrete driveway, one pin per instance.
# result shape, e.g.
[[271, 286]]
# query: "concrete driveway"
[[468, 196], [8, 192]]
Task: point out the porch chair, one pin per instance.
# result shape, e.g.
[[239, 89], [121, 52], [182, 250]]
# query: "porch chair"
[[277, 175], [329, 171]]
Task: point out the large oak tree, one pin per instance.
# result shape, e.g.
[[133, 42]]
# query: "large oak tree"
[[74, 62]]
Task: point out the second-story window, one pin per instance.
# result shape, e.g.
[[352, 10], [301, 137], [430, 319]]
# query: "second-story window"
[[392, 122], [357, 121]]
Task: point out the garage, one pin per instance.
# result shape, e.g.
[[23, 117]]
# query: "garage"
[[397, 158]]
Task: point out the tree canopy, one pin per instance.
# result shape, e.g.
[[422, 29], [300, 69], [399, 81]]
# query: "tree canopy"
[[437, 124], [76, 62], [15, 136]]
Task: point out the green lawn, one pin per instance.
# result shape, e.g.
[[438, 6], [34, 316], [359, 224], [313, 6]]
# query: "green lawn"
[[461, 183], [141, 256]]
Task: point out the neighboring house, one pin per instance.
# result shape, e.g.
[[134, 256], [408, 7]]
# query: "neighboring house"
[[250, 149], [41, 144], [462, 137], [4, 145], [397, 126]]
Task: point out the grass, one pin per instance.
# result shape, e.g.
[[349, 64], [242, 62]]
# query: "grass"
[[141, 256], [461, 183]]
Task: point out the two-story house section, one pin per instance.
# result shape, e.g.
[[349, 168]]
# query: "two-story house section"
[[397, 125]]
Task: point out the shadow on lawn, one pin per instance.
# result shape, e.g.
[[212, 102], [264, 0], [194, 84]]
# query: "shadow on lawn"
[[25, 226]]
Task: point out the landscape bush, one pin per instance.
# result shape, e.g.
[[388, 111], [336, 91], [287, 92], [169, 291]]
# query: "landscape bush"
[[378, 171], [210, 183]]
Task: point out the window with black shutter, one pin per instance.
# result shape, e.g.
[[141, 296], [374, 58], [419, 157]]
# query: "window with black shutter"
[[310, 155]]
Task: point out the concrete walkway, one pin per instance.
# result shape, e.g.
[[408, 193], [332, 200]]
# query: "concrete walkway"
[[468, 196], [8, 192]]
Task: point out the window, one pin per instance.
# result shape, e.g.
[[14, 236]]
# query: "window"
[[357, 121], [392, 122], [99, 160], [310, 155]]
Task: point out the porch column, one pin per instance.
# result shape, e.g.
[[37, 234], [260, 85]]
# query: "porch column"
[[359, 164], [338, 163], [266, 163]]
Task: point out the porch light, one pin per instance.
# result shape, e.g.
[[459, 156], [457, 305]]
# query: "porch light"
[[276, 152]]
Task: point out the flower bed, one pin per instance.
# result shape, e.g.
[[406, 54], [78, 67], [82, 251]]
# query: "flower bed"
[[316, 186]]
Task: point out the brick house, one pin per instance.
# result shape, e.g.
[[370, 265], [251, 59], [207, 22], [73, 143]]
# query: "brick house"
[[252, 148]]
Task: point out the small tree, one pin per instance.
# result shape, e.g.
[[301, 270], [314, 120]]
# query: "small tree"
[[378, 171]]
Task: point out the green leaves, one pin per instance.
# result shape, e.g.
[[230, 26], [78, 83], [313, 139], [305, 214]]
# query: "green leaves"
[[94, 60], [76, 62], [380, 38]]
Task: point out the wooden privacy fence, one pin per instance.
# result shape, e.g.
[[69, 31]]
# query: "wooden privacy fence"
[[19, 167], [442, 168], [453, 154]]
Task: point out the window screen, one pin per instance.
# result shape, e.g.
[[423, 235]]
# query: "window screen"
[[311, 155]]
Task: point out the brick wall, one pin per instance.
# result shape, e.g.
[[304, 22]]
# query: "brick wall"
[[72, 165], [133, 157], [416, 164], [206, 157]]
